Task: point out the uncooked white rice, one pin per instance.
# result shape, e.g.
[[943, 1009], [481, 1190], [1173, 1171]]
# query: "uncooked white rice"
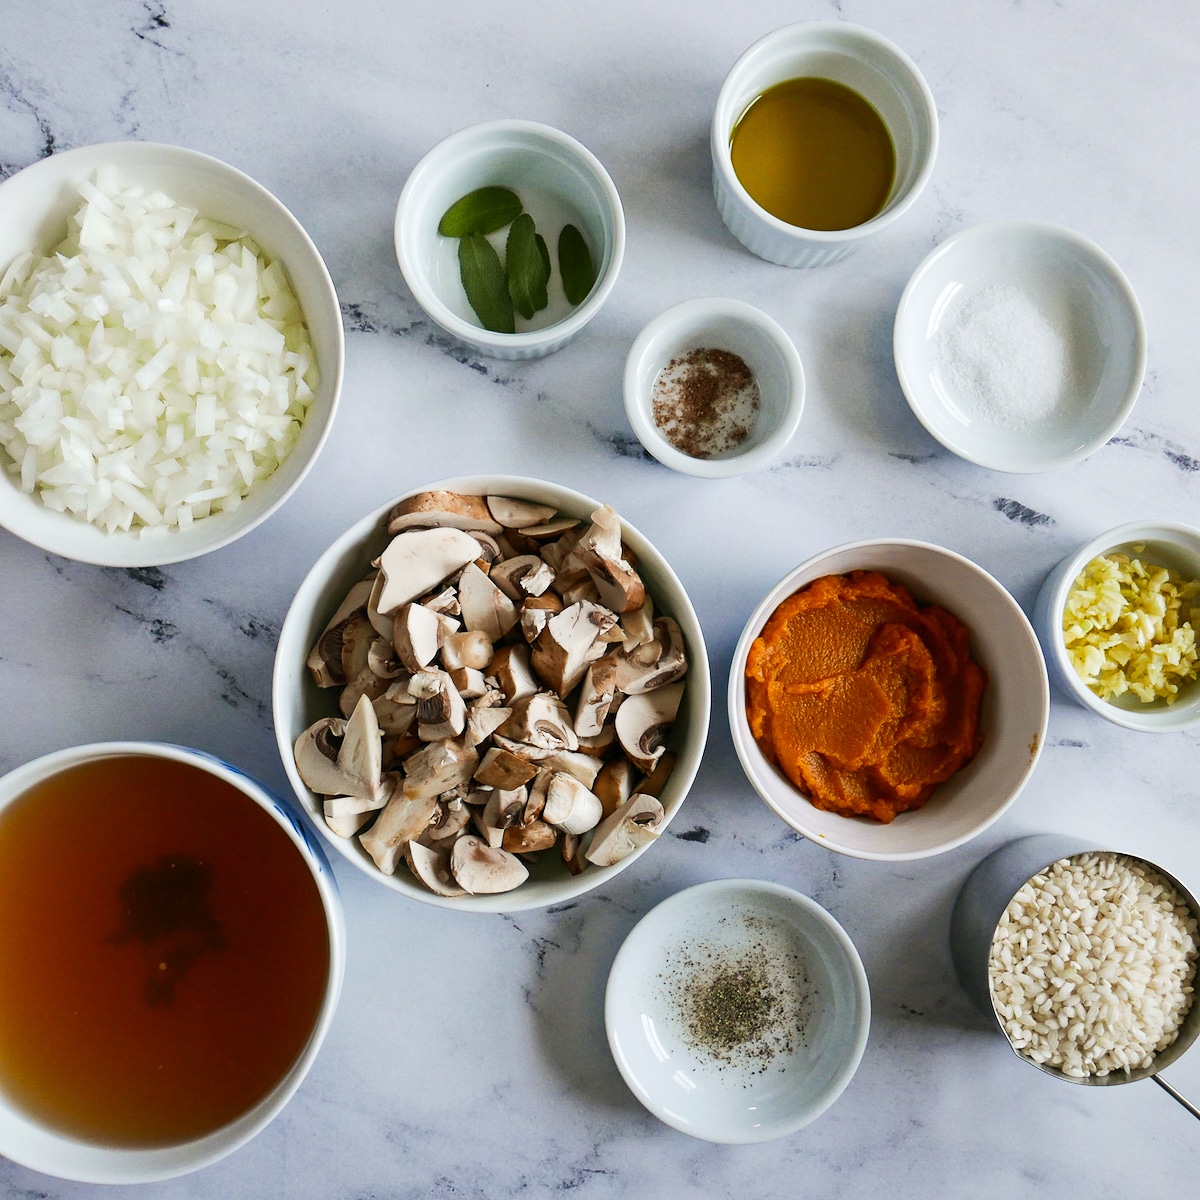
[[1092, 965]]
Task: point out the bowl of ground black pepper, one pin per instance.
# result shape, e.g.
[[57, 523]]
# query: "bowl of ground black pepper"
[[714, 388], [737, 1011]]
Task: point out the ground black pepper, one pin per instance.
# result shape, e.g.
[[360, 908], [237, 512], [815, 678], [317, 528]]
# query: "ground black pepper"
[[705, 402]]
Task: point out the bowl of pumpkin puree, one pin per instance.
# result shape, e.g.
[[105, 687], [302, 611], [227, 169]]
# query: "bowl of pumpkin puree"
[[888, 699]]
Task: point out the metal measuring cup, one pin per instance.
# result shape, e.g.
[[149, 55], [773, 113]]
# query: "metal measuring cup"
[[981, 903]]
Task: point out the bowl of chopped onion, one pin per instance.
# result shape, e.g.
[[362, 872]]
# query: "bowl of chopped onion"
[[171, 354], [1118, 621]]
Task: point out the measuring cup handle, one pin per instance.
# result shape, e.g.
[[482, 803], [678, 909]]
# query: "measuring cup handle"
[[1166, 1087]]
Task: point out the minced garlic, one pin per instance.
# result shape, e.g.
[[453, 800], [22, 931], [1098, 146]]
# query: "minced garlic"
[[1129, 626]]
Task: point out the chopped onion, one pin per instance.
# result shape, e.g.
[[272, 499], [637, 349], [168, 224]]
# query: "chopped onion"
[[154, 368]]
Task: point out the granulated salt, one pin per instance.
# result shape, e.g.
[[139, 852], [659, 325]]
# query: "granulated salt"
[[1001, 359]]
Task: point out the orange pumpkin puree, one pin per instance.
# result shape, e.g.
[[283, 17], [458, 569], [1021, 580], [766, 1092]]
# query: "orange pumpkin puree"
[[864, 700]]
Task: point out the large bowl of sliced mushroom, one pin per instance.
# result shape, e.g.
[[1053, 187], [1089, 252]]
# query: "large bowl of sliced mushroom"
[[491, 693]]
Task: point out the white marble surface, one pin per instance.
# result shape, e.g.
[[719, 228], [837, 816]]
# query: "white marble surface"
[[468, 1057]]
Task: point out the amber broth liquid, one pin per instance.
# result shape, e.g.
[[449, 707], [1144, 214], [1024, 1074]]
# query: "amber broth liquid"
[[815, 154], [163, 952]]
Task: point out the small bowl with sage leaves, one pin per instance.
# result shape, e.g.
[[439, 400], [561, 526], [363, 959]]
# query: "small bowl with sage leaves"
[[510, 235]]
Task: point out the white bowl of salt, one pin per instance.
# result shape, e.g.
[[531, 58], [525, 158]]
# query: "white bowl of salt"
[[1020, 346]]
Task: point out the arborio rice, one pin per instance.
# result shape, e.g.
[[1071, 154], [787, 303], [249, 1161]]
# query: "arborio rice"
[[1092, 965]]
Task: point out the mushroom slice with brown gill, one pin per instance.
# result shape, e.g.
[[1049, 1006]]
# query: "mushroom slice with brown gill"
[[416, 635], [644, 720], [570, 806], [343, 758], [601, 552], [634, 824], [542, 722], [417, 561], [449, 510], [521, 576], [325, 658], [482, 869], [441, 711], [403, 820], [653, 664], [432, 868]]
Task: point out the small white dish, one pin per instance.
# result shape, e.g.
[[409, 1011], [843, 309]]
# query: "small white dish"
[[772, 1085], [559, 182], [743, 330], [861, 60], [1078, 289], [33, 1143], [35, 205], [1164, 544], [1013, 721]]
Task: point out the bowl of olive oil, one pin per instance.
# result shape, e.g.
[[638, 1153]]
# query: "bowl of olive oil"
[[824, 134], [173, 950]]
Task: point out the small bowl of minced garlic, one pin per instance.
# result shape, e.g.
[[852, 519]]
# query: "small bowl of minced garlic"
[[1118, 622], [714, 388]]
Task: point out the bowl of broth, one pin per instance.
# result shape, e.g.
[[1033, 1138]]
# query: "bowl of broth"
[[824, 134], [173, 950]]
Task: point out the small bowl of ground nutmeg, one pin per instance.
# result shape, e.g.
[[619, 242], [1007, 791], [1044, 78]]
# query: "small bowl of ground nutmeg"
[[737, 1011], [714, 388]]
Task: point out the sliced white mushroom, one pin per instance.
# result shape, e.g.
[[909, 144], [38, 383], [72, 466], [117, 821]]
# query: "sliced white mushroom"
[[325, 659], [551, 530], [484, 606], [529, 838], [541, 721], [444, 602], [416, 635], [582, 766], [419, 560], [569, 643], [441, 712], [504, 807], [439, 766], [634, 824], [511, 670], [570, 806], [536, 612], [601, 552], [501, 769], [472, 649], [642, 671], [596, 696], [358, 635], [598, 747], [470, 683], [638, 625], [365, 683], [382, 660], [614, 783], [483, 870], [432, 868], [644, 720], [654, 783], [513, 514], [347, 824], [381, 623], [484, 717], [450, 510], [402, 821], [524, 575]]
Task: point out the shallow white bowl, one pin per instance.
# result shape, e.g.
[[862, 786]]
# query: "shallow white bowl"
[[861, 60], [741, 329], [1164, 544], [1078, 289], [558, 180], [297, 701], [34, 207], [736, 1103], [1016, 705], [42, 1148]]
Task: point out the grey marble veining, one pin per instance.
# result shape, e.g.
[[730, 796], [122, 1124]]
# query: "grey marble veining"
[[468, 1057]]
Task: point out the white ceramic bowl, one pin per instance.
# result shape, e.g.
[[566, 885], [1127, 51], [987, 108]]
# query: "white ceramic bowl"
[[1162, 543], [297, 701], [43, 1148], [746, 1100], [861, 60], [559, 182], [741, 329], [34, 207], [1078, 289], [1016, 705]]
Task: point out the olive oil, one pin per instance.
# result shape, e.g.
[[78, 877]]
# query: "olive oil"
[[815, 154], [163, 952]]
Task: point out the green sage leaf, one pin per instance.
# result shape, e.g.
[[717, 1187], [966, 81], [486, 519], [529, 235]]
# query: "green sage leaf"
[[484, 282], [527, 270], [482, 211], [544, 251], [575, 264]]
